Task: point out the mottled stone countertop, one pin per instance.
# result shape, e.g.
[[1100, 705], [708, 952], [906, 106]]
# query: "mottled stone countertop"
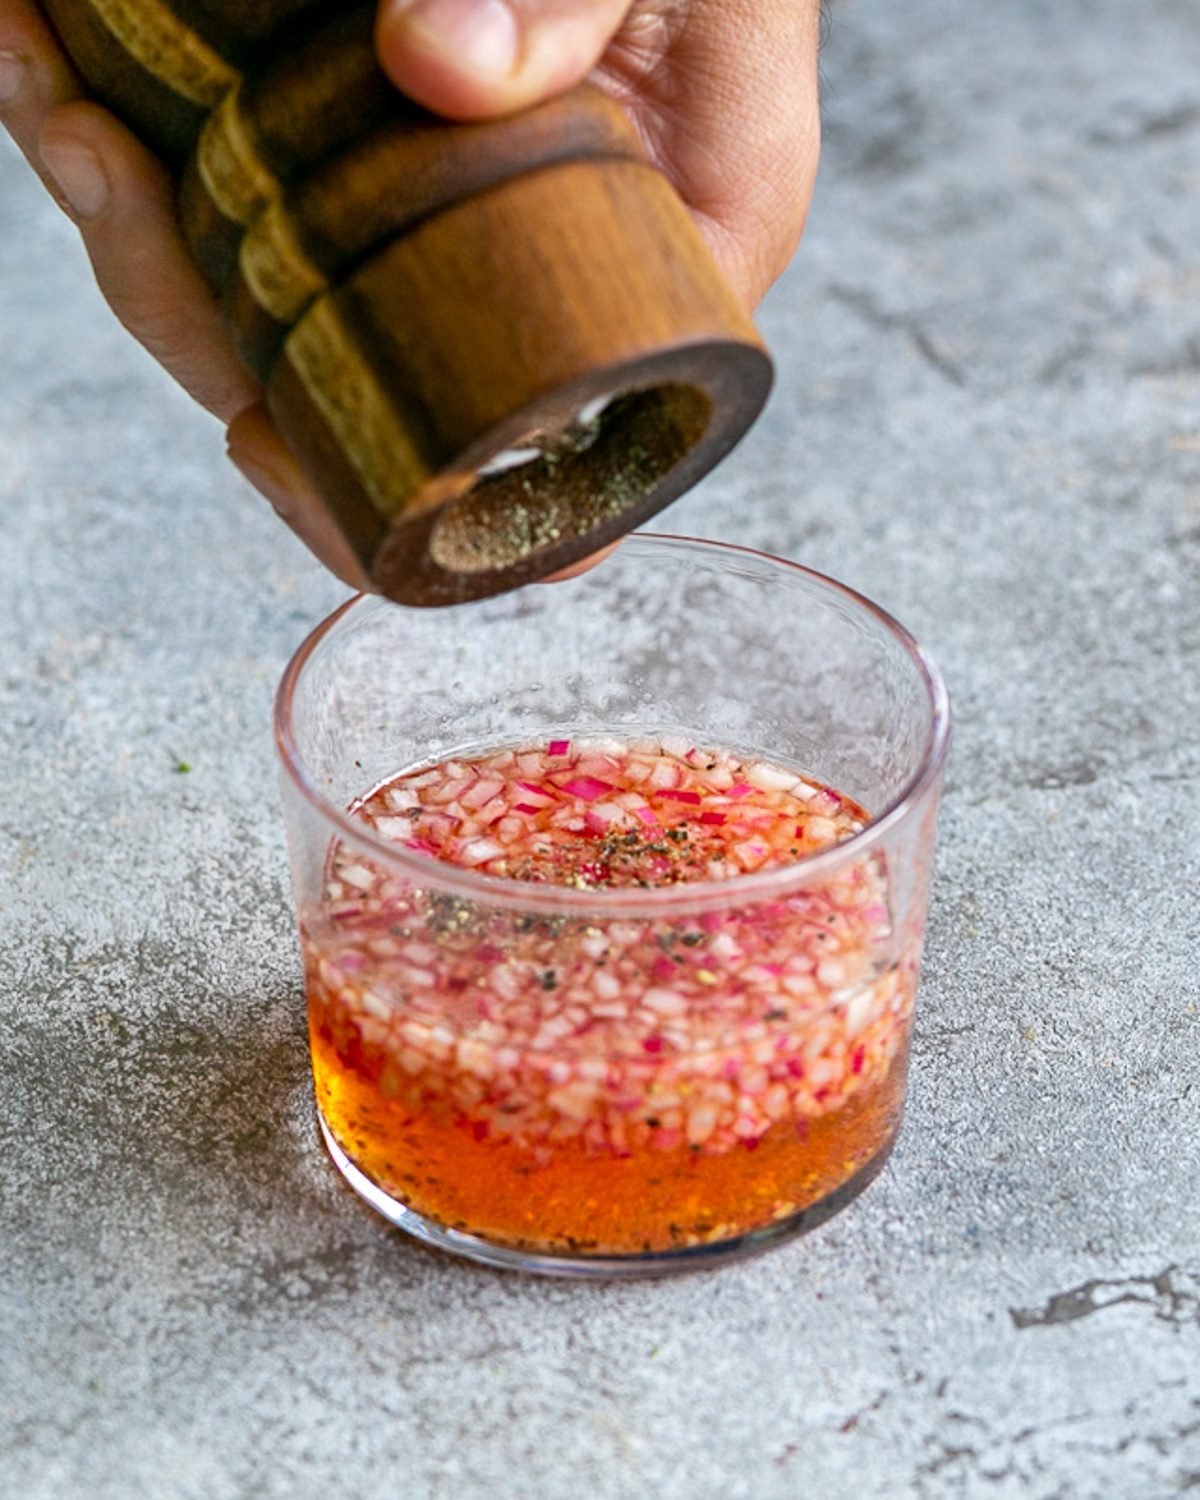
[[988, 418]]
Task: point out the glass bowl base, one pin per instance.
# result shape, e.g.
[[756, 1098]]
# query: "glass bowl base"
[[581, 1267]]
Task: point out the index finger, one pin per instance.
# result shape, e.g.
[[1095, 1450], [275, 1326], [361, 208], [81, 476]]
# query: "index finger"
[[35, 75]]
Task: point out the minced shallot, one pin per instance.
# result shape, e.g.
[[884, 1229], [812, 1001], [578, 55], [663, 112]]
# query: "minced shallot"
[[692, 1033]]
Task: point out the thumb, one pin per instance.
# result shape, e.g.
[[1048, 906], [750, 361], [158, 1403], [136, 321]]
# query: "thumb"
[[472, 59]]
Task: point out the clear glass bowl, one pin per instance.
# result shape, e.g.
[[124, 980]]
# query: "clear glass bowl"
[[768, 1092]]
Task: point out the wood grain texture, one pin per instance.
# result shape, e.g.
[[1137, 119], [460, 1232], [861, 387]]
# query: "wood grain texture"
[[470, 338], [238, 25], [145, 98], [383, 185], [482, 317], [302, 105], [320, 91]]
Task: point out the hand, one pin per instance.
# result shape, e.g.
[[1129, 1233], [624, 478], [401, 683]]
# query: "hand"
[[123, 202], [723, 94]]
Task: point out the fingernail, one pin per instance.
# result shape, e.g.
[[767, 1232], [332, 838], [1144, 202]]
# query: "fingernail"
[[479, 36], [12, 76], [79, 176]]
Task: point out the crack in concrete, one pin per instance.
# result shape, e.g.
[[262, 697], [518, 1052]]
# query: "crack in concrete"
[[1174, 1295], [927, 347], [1183, 361], [995, 1456], [855, 1418], [1145, 125]]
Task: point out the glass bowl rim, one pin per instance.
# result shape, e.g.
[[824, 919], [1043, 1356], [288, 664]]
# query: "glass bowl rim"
[[697, 896]]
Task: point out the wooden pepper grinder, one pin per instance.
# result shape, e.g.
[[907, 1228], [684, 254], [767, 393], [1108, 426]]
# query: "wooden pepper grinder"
[[494, 347]]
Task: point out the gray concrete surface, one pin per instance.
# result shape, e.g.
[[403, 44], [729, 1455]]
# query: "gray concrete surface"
[[988, 418]]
